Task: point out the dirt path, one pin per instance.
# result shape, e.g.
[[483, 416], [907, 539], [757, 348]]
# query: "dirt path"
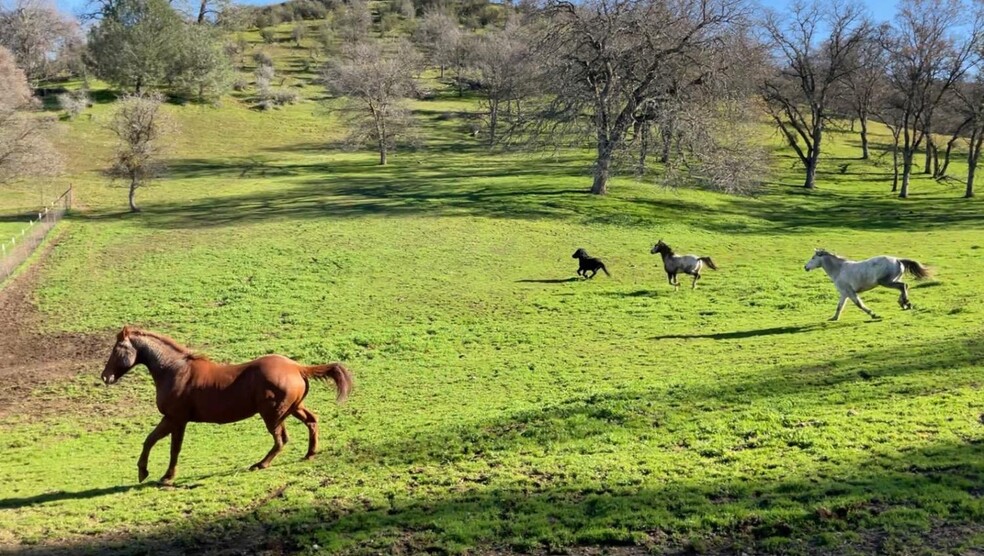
[[29, 358]]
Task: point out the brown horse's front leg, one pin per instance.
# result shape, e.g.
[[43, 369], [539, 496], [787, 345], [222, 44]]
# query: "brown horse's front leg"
[[162, 429], [177, 437]]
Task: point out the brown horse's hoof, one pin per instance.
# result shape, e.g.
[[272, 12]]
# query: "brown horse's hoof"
[[308, 457], [142, 475], [260, 465], [166, 481]]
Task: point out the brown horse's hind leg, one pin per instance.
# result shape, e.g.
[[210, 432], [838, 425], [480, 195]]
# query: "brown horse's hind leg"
[[160, 431], [275, 424], [311, 420]]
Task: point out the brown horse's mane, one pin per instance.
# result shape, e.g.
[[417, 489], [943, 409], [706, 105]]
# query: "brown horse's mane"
[[169, 342]]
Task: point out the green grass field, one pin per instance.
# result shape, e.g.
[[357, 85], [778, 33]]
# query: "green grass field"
[[500, 404]]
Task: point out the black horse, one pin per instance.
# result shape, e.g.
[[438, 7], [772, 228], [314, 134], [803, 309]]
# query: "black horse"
[[587, 263]]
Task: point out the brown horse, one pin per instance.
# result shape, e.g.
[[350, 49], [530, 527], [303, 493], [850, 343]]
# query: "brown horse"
[[190, 388]]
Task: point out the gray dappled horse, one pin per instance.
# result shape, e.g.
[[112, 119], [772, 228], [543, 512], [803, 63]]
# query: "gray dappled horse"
[[675, 264], [853, 277]]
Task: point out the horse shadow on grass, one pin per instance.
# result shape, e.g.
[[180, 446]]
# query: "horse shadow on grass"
[[61, 495], [742, 334], [635, 293], [549, 281]]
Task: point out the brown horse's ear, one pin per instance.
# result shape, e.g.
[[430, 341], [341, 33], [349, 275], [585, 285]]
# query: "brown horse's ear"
[[125, 333]]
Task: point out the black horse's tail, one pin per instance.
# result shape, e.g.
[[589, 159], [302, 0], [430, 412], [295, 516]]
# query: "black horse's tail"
[[609, 274], [918, 271], [710, 264]]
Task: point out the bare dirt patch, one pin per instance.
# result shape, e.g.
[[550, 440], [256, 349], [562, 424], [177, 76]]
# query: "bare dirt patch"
[[31, 358]]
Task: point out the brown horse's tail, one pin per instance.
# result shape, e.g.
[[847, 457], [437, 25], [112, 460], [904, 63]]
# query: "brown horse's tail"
[[710, 264], [334, 371], [918, 271]]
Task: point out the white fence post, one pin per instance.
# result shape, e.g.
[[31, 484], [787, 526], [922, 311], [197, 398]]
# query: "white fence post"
[[11, 258]]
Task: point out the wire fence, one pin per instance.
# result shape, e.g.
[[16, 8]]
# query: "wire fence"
[[15, 250]]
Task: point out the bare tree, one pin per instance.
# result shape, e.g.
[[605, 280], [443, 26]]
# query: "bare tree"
[[35, 32], [863, 85], [970, 106], [925, 59], [816, 47], [605, 61], [142, 128], [435, 35], [353, 21], [24, 149], [502, 61], [375, 84]]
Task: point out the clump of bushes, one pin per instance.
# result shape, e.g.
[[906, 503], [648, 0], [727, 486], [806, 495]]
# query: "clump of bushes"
[[74, 103]]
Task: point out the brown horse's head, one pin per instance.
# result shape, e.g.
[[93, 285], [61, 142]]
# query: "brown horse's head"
[[122, 359]]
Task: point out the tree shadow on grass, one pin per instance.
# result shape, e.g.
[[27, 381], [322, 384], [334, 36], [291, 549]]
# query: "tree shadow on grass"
[[440, 186], [887, 505]]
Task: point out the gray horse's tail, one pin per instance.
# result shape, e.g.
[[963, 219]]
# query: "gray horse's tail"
[[918, 271], [710, 264]]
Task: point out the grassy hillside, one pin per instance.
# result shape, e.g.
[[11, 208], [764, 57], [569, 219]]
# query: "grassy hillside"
[[501, 404]]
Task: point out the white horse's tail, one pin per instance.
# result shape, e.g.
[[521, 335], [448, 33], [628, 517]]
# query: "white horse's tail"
[[710, 264], [918, 271]]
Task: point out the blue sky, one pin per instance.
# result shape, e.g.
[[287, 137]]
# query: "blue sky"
[[75, 6], [880, 9]]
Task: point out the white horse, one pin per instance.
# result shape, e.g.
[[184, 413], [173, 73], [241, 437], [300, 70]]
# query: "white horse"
[[853, 277], [687, 264]]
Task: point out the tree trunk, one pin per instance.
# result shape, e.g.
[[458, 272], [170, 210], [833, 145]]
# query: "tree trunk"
[[907, 156], [133, 193], [813, 159], [643, 149], [973, 155], [864, 138], [927, 167], [969, 193], [667, 133], [895, 164], [811, 173], [493, 120], [602, 168], [940, 170], [201, 11]]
